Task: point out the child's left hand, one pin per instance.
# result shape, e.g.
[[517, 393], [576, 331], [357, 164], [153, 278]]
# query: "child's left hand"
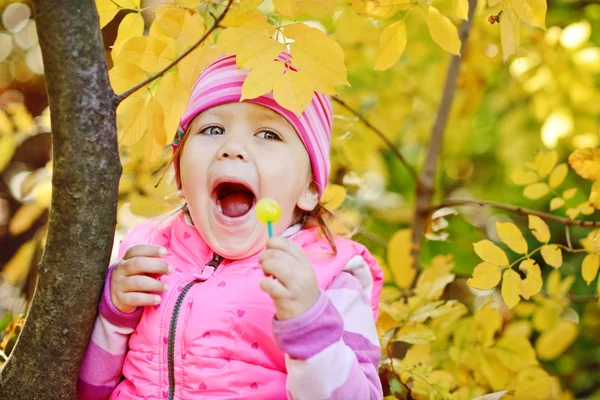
[[295, 290]]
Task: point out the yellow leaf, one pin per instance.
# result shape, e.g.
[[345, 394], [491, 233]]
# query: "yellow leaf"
[[572, 213], [442, 30], [545, 161], [236, 18], [511, 288], [532, 12], [552, 255], [461, 8], [556, 203], [485, 276], [180, 24], [349, 27], [7, 149], [156, 138], [536, 191], [594, 199], [558, 175], [288, 8], [532, 383], [124, 76], [400, 258], [135, 126], [532, 284], [15, 271], [317, 8], [515, 353], [148, 53], [569, 193], [539, 228], [509, 33], [251, 43], [128, 3], [415, 334], [592, 241], [379, 9], [555, 341], [26, 215], [491, 253], [524, 177], [586, 163], [107, 10], [173, 96], [293, 91], [131, 25], [511, 236], [334, 196], [42, 193], [488, 321], [545, 318], [493, 371], [188, 3], [248, 5], [320, 58], [262, 79], [504, 394], [391, 45], [190, 67], [589, 267]]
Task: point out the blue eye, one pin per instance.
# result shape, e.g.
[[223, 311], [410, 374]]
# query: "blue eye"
[[212, 131], [269, 135]]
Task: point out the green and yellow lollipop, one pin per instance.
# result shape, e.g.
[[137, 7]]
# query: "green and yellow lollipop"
[[268, 212]]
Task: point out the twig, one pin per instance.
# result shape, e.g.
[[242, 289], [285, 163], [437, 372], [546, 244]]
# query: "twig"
[[513, 209], [393, 148], [568, 235], [583, 299], [216, 24], [425, 184]]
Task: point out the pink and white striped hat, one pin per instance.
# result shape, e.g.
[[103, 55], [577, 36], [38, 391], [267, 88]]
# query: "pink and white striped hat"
[[221, 82]]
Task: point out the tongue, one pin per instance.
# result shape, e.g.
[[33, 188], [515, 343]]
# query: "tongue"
[[236, 204]]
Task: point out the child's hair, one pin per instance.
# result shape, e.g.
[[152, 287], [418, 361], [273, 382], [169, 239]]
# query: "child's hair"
[[313, 218]]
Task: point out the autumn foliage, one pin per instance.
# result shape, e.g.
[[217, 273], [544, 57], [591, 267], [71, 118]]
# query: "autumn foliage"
[[502, 300]]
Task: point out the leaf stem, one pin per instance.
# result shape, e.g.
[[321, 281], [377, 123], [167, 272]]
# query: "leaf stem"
[[513, 209]]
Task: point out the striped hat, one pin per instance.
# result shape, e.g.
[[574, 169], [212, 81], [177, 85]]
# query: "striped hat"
[[221, 82]]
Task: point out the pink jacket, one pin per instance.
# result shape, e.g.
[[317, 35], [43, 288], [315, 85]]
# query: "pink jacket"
[[214, 334]]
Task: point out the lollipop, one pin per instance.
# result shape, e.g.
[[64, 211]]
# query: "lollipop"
[[268, 212]]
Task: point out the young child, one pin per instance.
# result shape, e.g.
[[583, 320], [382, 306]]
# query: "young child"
[[204, 305]]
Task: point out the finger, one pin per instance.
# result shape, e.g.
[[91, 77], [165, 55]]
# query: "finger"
[[142, 283], [279, 269], [144, 250], [274, 288], [145, 265], [136, 299], [286, 245]]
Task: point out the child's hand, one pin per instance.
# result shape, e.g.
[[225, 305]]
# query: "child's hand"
[[295, 290], [129, 282]]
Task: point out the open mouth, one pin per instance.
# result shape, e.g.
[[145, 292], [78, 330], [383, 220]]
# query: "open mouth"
[[233, 199]]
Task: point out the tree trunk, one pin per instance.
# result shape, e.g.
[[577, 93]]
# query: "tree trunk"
[[86, 170]]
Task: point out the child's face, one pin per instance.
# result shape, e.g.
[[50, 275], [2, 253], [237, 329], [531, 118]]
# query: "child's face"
[[236, 154]]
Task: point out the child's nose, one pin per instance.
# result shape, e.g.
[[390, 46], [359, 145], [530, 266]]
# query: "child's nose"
[[233, 149]]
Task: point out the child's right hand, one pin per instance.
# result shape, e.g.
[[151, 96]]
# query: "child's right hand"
[[130, 284]]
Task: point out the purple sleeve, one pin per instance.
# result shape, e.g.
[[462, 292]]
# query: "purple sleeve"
[[332, 350], [100, 370]]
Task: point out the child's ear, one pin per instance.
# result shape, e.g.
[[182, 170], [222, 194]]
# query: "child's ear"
[[309, 198]]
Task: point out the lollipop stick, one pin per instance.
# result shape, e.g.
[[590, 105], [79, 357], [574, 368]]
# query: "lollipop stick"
[[270, 225]]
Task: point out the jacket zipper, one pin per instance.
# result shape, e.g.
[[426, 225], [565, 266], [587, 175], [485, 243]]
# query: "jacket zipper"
[[206, 273]]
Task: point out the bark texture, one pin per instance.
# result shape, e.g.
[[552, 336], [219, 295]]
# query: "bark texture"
[[86, 171]]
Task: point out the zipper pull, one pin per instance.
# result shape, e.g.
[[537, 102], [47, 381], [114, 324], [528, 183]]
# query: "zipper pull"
[[209, 268]]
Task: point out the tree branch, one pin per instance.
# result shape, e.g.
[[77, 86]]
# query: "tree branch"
[[86, 170], [216, 24], [392, 147], [425, 184], [513, 209]]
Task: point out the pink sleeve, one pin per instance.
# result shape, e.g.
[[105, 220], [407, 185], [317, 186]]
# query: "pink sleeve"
[[332, 350], [100, 370]]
